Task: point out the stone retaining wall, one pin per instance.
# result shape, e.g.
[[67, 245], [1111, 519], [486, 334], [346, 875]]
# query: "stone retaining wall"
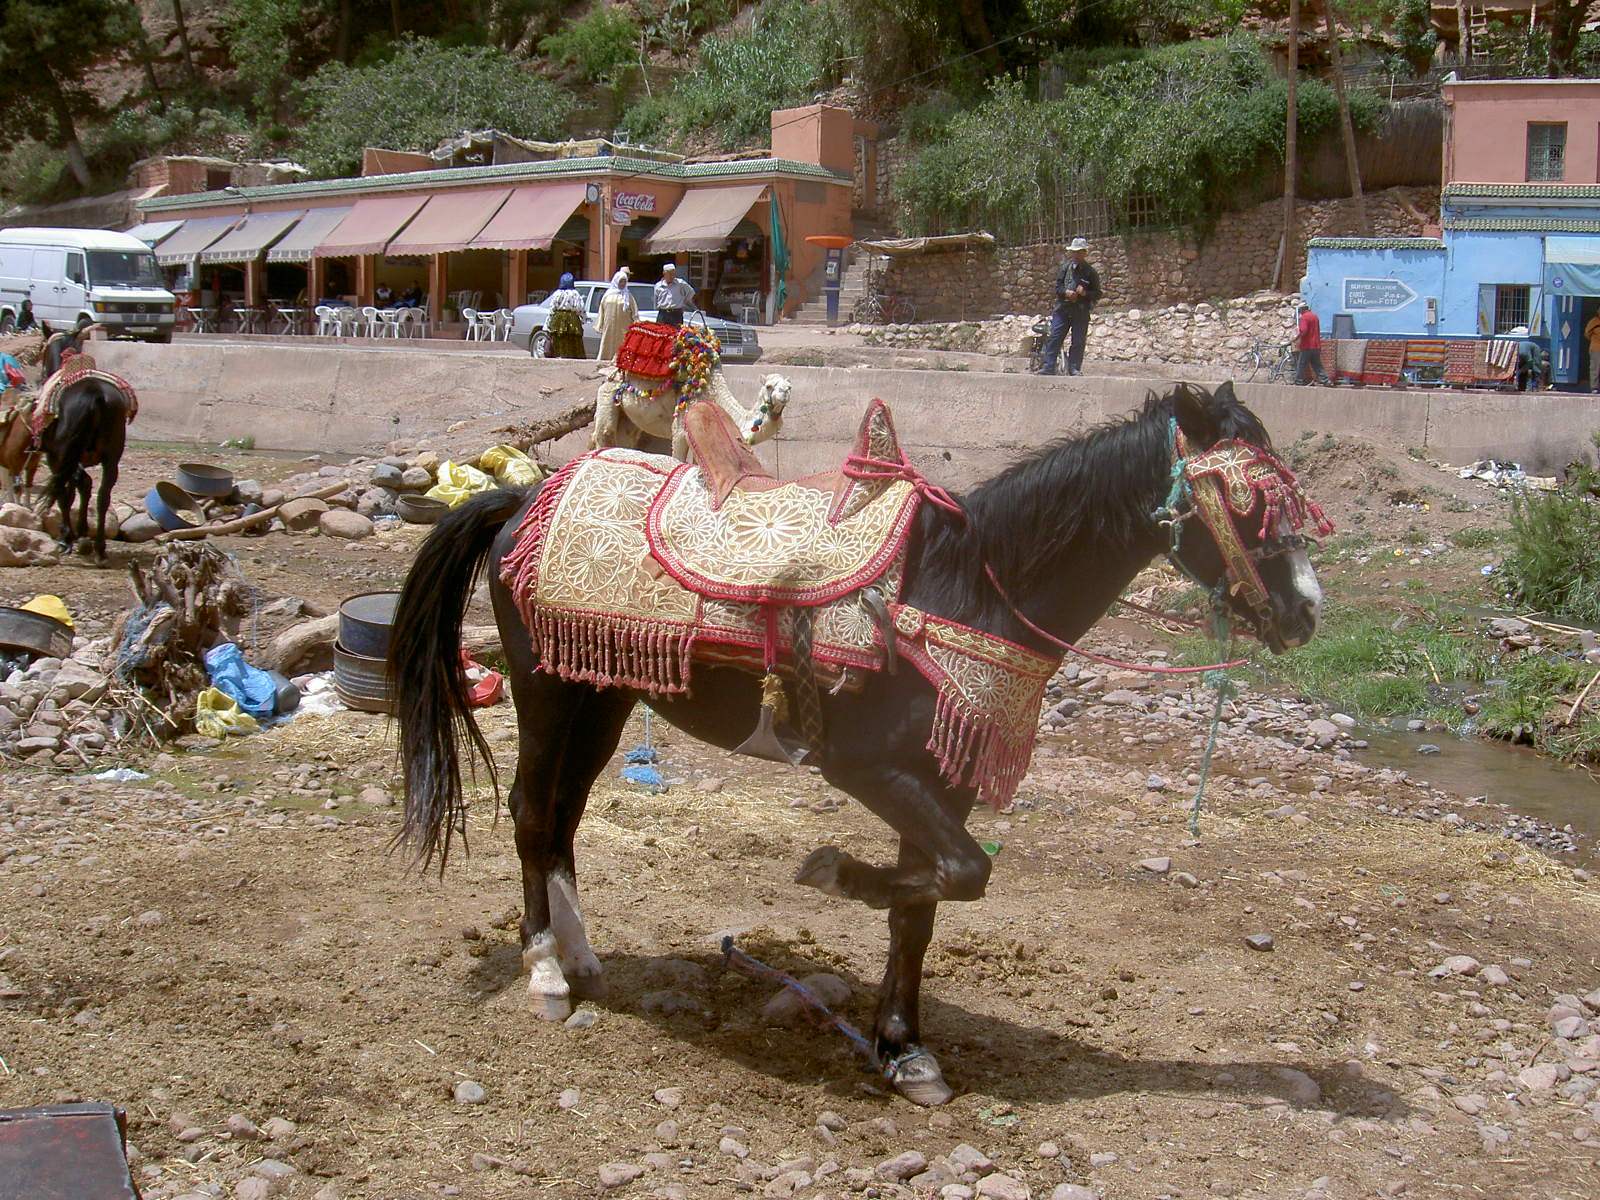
[[1235, 259]]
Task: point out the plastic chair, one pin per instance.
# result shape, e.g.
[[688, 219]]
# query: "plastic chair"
[[502, 325], [327, 320], [368, 326], [387, 322], [474, 330], [349, 321]]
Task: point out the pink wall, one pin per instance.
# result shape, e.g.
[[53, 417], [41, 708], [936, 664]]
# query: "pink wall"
[[1486, 128]]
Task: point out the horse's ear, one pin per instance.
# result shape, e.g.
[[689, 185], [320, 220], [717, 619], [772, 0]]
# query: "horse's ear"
[[1225, 395], [1197, 414]]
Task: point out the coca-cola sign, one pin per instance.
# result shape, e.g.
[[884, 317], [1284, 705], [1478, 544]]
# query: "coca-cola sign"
[[634, 202]]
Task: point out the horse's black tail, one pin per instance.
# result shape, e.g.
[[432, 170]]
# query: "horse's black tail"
[[425, 669], [84, 408]]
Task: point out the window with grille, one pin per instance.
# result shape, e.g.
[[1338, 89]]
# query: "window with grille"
[[1547, 153], [1511, 304]]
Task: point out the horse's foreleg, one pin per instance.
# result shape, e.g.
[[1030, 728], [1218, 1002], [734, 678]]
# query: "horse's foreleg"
[[85, 490], [604, 713], [916, 1074]]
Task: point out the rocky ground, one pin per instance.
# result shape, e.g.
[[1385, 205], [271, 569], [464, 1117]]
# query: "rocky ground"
[[1351, 985]]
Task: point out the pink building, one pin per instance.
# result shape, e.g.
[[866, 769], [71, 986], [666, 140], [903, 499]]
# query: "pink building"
[[1538, 131]]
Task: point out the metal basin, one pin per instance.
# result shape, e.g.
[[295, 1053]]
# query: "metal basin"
[[167, 502], [39, 635], [198, 479], [364, 623], [362, 682], [421, 510]]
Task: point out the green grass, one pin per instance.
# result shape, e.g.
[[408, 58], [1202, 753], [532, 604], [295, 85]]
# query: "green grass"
[[1476, 539]]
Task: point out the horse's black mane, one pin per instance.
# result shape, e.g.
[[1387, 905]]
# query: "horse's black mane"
[[1104, 482]]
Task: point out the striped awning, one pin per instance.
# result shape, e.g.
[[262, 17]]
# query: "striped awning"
[[246, 241], [372, 223], [197, 234], [311, 230]]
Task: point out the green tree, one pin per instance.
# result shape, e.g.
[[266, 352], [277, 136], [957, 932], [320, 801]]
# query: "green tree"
[[46, 48], [422, 93], [261, 41], [600, 45]]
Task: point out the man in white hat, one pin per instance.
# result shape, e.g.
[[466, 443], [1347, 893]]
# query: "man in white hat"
[[1077, 291], [673, 295]]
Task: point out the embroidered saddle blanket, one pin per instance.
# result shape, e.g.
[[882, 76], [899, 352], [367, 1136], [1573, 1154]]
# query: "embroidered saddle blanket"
[[628, 570], [77, 367]]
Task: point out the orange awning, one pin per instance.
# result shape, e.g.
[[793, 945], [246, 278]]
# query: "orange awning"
[[703, 219], [373, 222], [448, 221], [531, 218]]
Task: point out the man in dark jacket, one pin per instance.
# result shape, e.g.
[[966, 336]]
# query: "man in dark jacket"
[[1077, 291]]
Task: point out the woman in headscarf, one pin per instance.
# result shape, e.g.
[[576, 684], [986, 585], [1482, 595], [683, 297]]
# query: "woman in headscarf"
[[617, 312], [566, 320]]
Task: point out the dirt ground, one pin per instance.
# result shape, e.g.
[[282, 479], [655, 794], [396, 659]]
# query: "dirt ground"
[[231, 938]]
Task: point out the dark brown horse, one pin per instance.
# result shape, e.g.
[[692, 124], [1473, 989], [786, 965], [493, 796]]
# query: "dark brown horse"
[[90, 429], [1062, 533]]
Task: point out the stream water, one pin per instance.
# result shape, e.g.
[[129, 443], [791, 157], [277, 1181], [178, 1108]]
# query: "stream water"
[[1529, 783]]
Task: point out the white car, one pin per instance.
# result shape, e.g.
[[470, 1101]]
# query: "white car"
[[529, 322]]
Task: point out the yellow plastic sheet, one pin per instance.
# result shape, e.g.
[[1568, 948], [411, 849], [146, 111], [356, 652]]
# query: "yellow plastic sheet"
[[510, 466], [458, 483], [217, 714], [50, 606]]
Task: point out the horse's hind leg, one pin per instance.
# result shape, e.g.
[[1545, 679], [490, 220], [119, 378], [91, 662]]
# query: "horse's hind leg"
[[102, 504], [602, 717]]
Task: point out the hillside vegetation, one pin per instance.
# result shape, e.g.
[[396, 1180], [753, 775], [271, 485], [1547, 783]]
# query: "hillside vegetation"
[[1124, 98]]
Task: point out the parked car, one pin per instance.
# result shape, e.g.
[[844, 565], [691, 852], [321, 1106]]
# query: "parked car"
[[529, 321], [77, 277]]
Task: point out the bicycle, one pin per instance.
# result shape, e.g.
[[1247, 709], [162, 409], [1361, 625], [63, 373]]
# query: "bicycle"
[[1041, 334], [880, 307], [1277, 360]]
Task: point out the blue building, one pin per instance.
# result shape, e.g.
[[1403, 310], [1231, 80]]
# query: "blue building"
[[1510, 255]]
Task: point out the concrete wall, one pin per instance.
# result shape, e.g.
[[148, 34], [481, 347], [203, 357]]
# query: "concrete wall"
[[959, 427], [1334, 276]]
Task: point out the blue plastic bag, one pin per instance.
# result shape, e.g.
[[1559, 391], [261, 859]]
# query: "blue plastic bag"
[[251, 687]]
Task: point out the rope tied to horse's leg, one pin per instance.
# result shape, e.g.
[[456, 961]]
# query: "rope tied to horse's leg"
[[1223, 683]]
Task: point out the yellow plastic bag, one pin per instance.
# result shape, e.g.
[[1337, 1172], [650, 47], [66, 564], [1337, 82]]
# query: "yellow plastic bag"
[[510, 466], [458, 483], [217, 714], [50, 606]]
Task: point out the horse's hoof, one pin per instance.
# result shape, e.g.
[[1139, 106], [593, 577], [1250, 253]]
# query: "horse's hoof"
[[821, 870], [550, 1006], [917, 1077]]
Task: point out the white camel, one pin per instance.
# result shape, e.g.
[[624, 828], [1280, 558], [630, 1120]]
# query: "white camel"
[[630, 407]]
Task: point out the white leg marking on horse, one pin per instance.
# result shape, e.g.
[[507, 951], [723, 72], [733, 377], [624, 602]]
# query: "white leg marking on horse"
[[1305, 582], [548, 993], [578, 961]]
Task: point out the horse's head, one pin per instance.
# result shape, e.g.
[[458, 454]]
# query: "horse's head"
[[1236, 514]]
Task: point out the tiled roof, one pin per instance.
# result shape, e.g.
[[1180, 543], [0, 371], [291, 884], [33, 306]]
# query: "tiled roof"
[[1523, 224], [1375, 243], [503, 172], [1523, 191]]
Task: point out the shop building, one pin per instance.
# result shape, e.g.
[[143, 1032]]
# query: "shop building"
[[501, 231], [1518, 242]]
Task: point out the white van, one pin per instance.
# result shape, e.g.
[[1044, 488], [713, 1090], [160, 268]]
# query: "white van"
[[84, 276]]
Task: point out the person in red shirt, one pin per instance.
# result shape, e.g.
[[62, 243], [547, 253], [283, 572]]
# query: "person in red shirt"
[[1308, 347]]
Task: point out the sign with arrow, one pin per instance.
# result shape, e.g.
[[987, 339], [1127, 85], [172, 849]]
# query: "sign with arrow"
[[1376, 295]]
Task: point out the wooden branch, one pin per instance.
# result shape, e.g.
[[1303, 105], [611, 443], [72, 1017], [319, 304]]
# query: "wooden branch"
[[255, 518], [525, 437], [1577, 704]]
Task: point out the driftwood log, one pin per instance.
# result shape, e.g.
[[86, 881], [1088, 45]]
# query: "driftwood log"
[[255, 518], [526, 436], [308, 646]]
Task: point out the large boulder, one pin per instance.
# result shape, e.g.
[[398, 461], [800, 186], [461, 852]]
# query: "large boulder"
[[342, 523], [140, 527], [25, 547], [18, 516]]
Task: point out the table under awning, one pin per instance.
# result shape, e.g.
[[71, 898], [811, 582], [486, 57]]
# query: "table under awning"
[[245, 242], [152, 232], [530, 219], [703, 219], [1572, 266], [448, 222], [313, 228], [371, 224], [187, 243]]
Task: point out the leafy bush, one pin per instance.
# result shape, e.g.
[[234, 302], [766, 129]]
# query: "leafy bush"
[[599, 45], [36, 174], [1554, 562], [792, 50], [423, 93], [1185, 124]]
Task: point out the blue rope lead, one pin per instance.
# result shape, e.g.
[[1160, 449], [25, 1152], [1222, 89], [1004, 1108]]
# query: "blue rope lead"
[[1221, 681]]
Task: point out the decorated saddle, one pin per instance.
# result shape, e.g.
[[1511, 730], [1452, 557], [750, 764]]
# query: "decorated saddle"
[[75, 367], [630, 568], [655, 358]]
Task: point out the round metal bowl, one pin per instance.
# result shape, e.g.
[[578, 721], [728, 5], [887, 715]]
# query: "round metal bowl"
[[421, 510], [200, 480], [362, 682], [167, 503], [39, 635], [364, 623]]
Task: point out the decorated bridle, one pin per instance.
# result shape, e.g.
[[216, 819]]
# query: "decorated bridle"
[[1230, 482]]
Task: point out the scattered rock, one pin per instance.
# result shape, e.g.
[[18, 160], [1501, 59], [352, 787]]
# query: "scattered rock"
[[342, 523], [617, 1174], [1259, 941], [1072, 1191], [1156, 866], [786, 1007], [1457, 964], [470, 1092], [1003, 1187]]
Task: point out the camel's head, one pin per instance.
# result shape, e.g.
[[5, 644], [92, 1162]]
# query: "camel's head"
[[775, 391]]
